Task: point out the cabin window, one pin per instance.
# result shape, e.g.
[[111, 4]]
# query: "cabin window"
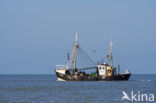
[[103, 68], [99, 68]]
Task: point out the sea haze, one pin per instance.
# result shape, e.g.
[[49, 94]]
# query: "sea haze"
[[46, 89]]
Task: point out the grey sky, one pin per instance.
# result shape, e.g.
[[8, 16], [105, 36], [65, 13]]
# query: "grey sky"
[[35, 35]]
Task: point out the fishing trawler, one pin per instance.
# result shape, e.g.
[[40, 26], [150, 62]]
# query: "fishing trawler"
[[103, 71]]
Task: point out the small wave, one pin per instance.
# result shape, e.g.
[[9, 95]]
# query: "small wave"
[[60, 81], [142, 80], [146, 80], [101, 81]]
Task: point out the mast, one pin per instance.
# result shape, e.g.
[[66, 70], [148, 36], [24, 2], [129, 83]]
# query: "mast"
[[75, 52]]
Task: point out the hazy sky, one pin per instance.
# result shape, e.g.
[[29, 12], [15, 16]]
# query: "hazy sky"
[[35, 35]]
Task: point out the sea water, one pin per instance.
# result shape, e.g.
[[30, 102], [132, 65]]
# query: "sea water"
[[46, 89]]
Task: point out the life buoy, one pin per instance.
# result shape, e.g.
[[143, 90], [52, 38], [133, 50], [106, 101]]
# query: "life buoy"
[[123, 76], [109, 71]]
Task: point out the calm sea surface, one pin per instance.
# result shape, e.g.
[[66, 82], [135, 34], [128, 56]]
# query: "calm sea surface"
[[46, 89]]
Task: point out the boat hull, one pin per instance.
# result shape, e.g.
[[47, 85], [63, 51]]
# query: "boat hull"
[[67, 77]]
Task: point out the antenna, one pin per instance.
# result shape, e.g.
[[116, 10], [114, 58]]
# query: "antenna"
[[68, 56], [75, 38], [111, 44]]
